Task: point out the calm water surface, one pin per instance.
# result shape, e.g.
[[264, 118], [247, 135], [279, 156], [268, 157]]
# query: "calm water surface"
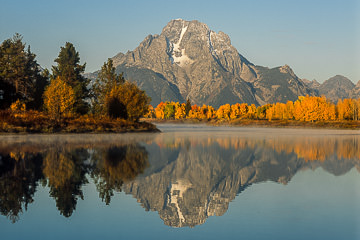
[[188, 182]]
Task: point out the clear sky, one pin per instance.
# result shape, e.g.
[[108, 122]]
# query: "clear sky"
[[317, 38]]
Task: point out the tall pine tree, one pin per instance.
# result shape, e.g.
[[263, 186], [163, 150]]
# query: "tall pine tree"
[[69, 70], [19, 73]]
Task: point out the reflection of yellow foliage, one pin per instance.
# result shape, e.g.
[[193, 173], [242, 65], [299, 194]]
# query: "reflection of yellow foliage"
[[121, 164], [18, 106], [17, 155], [308, 148], [58, 168]]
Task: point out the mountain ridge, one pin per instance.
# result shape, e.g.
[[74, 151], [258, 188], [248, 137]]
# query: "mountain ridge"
[[203, 66], [188, 60]]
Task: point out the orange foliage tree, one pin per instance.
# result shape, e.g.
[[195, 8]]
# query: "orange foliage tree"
[[306, 108]]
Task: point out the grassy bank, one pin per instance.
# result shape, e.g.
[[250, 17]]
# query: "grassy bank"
[[265, 123], [38, 122]]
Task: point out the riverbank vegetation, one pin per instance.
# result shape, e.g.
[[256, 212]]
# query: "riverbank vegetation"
[[306, 111], [33, 100]]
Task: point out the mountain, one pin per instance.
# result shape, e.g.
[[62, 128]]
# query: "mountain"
[[356, 91], [312, 84], [188, 60], [192, 178], [337, 87]]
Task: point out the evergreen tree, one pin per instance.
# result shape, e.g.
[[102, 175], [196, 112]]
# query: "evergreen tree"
[[39, 89], [13, 70], [19, 73], [187, 107], [107, 79], [69, 70]]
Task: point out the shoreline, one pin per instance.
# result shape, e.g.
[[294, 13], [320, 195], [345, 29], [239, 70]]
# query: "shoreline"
[[291, 124]]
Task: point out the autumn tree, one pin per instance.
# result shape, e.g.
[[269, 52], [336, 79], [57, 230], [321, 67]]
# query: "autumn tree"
[[159, 111], [195, 112], [224, 112], [150, 113], [59, 99], [106, 80], [127, 101], [169, 110], [70, 71], [180, 112], [347, 109], [312, 109]]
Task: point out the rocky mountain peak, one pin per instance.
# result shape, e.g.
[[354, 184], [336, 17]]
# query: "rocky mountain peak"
[[287, 69], [189, 60]]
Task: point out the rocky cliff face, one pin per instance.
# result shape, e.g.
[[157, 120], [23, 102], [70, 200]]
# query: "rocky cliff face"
[[188, 60]]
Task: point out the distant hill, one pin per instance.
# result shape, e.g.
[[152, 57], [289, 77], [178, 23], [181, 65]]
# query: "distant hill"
[[337, 87]]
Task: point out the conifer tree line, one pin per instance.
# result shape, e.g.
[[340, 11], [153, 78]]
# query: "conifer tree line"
[[65, 92], [306, 108]]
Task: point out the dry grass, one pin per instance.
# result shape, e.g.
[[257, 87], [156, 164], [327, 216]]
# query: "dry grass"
[[346, 124], [39, 122]]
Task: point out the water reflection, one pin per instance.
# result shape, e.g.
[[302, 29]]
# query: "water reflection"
[[64, 165], [184, 177]]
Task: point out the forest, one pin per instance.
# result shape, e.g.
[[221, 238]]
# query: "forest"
[[34, 100]]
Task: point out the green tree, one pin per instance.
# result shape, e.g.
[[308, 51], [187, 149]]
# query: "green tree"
[[187, 107], [107, 79], [19, 73], [169, 110], [69, 70]]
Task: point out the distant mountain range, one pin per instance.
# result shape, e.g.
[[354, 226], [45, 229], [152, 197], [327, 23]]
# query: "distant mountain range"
[[337, 87], [190, 61]]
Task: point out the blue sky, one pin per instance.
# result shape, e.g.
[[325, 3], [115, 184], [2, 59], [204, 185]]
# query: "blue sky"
[[317, 38]]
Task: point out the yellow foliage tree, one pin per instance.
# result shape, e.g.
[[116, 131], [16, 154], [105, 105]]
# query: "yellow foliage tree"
[[180, 112], [59, 99], [127, 101]]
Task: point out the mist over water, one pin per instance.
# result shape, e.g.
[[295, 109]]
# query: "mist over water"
[[188, 181]]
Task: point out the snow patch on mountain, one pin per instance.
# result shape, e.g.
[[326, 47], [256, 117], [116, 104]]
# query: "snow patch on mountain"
[[178, 55]]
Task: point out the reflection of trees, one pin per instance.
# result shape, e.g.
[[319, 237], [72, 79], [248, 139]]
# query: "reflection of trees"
[[309, 148], [65, 171], [19, 174], [116, 165]]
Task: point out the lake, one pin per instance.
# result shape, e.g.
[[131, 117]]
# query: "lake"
[[188, 182]]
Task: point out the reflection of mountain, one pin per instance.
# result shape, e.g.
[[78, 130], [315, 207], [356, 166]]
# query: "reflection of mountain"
[[207, 173], [184, 177]]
